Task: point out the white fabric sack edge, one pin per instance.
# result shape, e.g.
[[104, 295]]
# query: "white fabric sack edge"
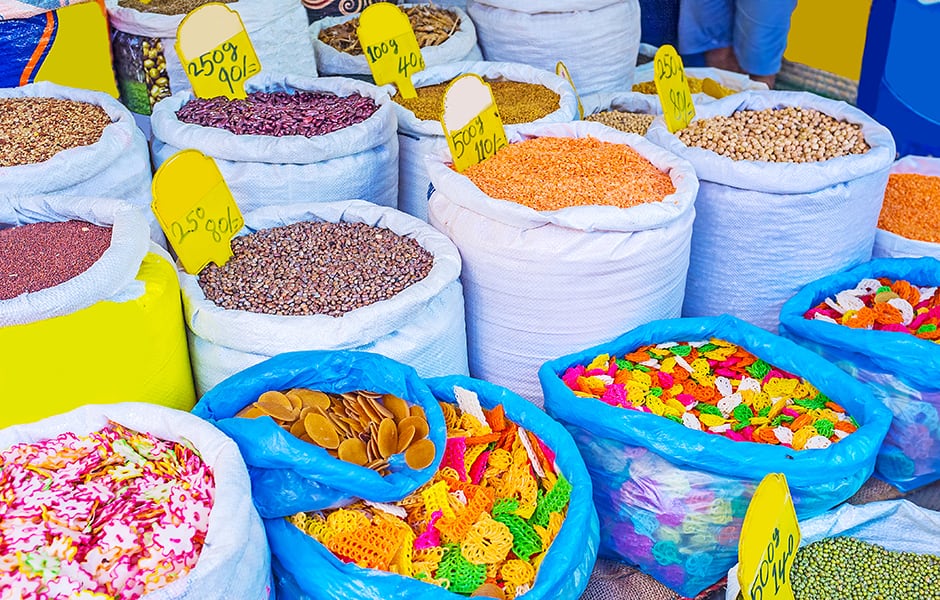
[[643, 217], [57, 172], [108, 277], [408, 123], [232, 486], [135, 22], [888, 244], [247, 331], [331, 61], [729, 79], [548, 6], [909, 530], [634, 102], [220, 143], [782, 178]]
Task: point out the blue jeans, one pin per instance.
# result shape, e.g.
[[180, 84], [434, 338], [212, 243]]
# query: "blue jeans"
[[756, 29]]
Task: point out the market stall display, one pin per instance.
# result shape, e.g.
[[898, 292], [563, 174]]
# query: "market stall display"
[[523, 94], [128, 501], [85, 294], [878, 322], [907, 225], [332, 139], [328, 276], [445, 35], [290, 474], [71, 142], [886, 548], [527, 525], [672, 485], [787, 197], [525, 269], [596, 39], [143, 39]]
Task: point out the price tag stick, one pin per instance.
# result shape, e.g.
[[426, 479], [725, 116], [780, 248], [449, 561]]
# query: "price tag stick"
[[216, 51], [195, 209], [673, 88], [390, 46], [471, 121], [770, 536], [562, 71]]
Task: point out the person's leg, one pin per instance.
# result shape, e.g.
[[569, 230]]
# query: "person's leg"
[[760, 36], [706, 26]]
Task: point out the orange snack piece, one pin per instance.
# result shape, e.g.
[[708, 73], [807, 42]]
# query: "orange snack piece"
[[552, 173]]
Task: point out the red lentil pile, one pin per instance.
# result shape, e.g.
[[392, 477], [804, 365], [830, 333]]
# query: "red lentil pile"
[[912, 207], [552, 173], [42, 255]]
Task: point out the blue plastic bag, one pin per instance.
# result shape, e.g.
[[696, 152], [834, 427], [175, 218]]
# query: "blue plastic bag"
[[672, 500], [304, 569], [289, 475], [900, 369]]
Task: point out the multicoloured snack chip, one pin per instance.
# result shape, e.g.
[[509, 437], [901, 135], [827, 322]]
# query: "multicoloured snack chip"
[[112, 515], [715, 387], [480, 527], [884, 305]]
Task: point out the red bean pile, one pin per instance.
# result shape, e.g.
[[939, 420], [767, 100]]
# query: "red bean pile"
[[315, 268], [42, 255], [279, 113]]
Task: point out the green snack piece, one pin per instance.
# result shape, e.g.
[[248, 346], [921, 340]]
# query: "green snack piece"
[[681, 350], [555, 500], [927, 328], [673, 418], [463, 575], [811, 404], [623, 363], [824, 427], [525, 540], [505, 506], [758, 369], [743, 413], [884, 288], [764, 411], [656, 391], [707, 348], [708, 409]]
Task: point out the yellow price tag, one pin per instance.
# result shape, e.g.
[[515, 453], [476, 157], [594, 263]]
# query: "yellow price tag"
[[195, 209], [562, 71], [471, 121], [673, 88], [390, 46], [770, 537], [216, 52]]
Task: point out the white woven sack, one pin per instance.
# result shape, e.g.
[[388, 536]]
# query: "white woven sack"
[[421, 326], [892, 245], [111, 277], [116, 166], [277, 28], [896, 525], [540, 285], [764, 230], [235, 561], [359, 161], [597, 40], [623, 101], [460, 46], [729, 79], [418, 138]]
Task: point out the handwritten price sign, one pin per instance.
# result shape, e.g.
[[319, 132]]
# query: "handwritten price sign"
[[390, 46], [195, 209], [770, 537], [471, 121], [673, 89], [216, 51]]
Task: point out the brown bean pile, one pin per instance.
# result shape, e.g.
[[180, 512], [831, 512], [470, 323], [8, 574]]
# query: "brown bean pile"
[[315, 268], [279, 113], [42, 255], [432, 26], [628, 122], [518, 102], [33, 130], [789, 134], [167, 7]]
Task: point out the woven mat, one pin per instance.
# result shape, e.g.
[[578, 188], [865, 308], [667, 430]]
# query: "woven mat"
[[797, 76], [615, 581]]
